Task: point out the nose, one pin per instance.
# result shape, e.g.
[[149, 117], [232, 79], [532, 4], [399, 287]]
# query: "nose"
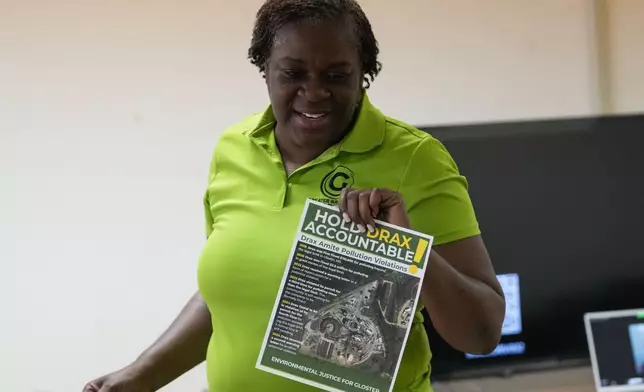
[[314, 90]]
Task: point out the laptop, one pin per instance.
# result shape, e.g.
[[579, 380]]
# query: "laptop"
[[616, 345]]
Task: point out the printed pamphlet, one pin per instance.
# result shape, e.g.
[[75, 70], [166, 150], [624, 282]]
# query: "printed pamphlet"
[[346, 303]]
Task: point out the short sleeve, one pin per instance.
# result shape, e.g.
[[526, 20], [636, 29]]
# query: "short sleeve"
[[436, 194], [209, 219]]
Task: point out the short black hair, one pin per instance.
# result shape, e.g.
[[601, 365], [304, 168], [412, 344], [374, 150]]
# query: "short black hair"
[[274, 14]]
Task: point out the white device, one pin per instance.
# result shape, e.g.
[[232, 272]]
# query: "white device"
[[616, 345]]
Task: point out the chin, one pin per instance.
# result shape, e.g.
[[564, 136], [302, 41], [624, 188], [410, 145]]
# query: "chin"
[[319, 130], [307, 136]]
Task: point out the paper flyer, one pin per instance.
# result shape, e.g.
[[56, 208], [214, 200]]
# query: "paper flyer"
[[345, 305]]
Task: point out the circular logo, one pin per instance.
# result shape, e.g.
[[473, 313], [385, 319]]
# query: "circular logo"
[[332, 184]]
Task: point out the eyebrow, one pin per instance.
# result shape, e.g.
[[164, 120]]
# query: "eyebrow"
[[289, 60], [336, 64]]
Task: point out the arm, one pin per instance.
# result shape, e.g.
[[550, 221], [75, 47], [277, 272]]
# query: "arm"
[[461, 293], [463, 297], [180, 348]]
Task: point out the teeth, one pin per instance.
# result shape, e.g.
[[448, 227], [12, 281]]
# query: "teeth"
[[310, 115]]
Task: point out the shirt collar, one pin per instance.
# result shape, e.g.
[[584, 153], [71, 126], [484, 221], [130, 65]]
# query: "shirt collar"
[[368, 131]]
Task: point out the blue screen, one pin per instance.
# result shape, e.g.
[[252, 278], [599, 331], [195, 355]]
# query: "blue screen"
[[512, 324]]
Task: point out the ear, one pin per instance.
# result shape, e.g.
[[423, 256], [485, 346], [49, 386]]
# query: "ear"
[[366, 83], [266, 81], [265, 71], [265, 76]]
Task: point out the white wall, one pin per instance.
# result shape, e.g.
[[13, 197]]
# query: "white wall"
[[112, 110], [109, 112], [625, 36], [472, 60]]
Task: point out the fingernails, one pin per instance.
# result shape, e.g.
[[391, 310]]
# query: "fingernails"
[[371, 228], [346, 217], [361, 228]]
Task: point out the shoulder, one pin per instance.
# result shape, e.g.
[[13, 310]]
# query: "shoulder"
[[245, 126], [402, 129], [424, 151], [428, 165], [235, 139], [435, 192], [242, 130]]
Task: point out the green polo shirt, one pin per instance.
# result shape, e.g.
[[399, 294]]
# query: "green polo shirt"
[[252, 211]]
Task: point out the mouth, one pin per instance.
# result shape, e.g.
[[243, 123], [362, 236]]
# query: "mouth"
[[312, 115], [313, 121]]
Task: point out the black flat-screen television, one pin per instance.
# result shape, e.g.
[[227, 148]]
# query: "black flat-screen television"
[[561, 208]]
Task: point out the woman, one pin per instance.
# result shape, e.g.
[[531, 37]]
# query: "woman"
[[321, 139]]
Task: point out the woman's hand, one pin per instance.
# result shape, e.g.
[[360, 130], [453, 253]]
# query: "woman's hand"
[[363, 206], [180, 348], [129, 379], [462, 295]]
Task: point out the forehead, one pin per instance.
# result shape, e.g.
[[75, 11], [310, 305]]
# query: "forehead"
[[319, 42]]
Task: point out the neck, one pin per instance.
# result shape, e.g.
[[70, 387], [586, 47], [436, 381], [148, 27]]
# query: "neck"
[[298, 154]]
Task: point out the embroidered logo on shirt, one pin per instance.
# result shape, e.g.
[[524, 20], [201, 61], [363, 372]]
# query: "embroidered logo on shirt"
[[332, 184]]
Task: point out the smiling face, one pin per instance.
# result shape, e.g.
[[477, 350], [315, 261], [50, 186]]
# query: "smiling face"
[[314, 80]]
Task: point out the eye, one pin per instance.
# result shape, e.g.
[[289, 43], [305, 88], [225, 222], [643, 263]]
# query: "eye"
[[292, 73], [337, 76]]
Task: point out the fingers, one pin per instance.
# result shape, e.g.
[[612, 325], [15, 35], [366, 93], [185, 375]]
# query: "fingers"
[[360, 207], [375, 198], [343, 204], [91, 387], [101, 384], [364, 208], [353, 208], [108, 387]]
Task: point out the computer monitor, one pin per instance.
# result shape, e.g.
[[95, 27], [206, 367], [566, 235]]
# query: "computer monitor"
[[559, 205], [616, 346], [511, 342]]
